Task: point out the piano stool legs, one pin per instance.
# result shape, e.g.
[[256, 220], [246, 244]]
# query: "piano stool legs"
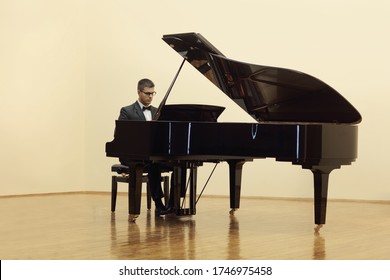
[[124, 178]]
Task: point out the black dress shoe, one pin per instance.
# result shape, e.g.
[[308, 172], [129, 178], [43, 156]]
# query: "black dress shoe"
[[164, 211], [170, 210], [161, 210]]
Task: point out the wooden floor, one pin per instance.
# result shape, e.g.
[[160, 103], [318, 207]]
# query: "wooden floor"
[[81, 226]]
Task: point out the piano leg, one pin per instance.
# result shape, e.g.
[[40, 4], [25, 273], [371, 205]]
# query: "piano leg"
[[177, 183], [321, 178], [180, 189], [193, 180], [134, 193], [235, 173]]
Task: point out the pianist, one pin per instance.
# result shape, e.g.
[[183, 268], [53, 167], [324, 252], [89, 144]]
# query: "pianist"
[[143, 110]]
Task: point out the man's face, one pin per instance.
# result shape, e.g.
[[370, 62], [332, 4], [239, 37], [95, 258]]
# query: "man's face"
[[146, 95]]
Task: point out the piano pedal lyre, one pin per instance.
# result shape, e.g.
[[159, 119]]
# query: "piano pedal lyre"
[[186, 212]]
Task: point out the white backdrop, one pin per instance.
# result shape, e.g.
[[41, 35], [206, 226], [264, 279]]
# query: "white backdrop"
[[68, 66]]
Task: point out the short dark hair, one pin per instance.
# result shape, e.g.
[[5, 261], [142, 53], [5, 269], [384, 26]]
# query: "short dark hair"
[[144, 83]]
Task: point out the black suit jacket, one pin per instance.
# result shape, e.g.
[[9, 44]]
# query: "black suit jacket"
[[134, 112]]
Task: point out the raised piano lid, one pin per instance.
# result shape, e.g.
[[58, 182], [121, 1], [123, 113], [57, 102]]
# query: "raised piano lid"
[[268, 94]]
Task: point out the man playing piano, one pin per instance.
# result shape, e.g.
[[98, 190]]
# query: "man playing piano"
[[142, 110], [298, 119]]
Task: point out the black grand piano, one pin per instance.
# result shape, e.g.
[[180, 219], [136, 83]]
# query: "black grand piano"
[[297, 119]]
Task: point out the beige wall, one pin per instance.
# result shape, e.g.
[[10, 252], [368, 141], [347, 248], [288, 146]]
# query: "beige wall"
[[70, 66], [42, 85]]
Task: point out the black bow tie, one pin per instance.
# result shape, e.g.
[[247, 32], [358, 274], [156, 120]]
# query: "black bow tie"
[[146, 108]]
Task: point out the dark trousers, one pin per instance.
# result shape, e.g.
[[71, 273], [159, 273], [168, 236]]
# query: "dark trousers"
[[154, 177]]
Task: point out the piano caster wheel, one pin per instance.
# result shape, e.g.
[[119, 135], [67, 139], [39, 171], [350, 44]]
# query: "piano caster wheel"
[[232, 211], [133, 217], [317, 228]]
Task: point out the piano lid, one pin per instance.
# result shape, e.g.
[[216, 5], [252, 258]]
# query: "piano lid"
[[268, 94]]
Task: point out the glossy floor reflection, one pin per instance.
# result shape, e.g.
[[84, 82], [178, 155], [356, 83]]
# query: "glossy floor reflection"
[[80, 226]]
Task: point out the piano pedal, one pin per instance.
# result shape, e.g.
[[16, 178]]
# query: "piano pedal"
[[186, 212], [317, 228], [232, 211]]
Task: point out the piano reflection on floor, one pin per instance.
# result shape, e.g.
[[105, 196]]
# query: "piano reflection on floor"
[[177, 238]]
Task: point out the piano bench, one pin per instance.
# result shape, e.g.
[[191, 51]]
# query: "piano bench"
[[123, 177]]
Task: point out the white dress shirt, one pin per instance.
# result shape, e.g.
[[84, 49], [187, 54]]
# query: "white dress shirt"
[[147, 113]]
